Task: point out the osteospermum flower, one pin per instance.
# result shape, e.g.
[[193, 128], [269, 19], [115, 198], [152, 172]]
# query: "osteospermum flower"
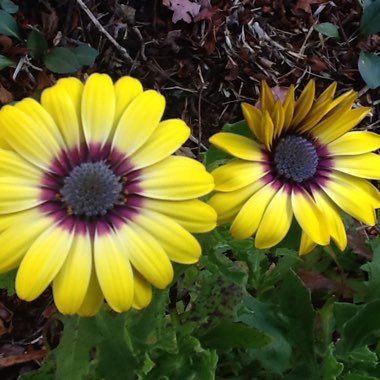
[[301, 162], [91, 198]]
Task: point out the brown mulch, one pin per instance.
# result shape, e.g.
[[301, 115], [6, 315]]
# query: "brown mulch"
[[205, 68]]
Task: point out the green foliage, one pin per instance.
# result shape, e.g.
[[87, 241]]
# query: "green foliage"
[[8, 6], [369, 67], [370, 21], [7, 281], [5, 62], [328, 29], [8, 25]]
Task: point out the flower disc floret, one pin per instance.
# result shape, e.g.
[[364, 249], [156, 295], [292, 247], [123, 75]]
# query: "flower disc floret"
[[302, 161], [91, 189], [295, 158], [92, 200]]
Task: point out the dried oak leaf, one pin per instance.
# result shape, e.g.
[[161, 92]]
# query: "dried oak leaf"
[[183, 9]]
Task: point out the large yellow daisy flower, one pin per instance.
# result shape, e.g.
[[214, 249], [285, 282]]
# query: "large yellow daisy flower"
[[91, 199], [303, 161]]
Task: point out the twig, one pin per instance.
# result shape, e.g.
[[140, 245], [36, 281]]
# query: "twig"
[[100, 27]]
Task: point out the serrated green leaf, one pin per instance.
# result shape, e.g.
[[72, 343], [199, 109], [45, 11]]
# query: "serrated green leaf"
[[363, 357], [370, 21], [80, 336], [327, 29], [37, 44], [331, 368], [227, 335], [357, 330], [275, 357], [8, 25], [115, 356], [9, 6], [369, 67], [7, 281], [85, 54], [373, 269], [295, 303], [61, 60]]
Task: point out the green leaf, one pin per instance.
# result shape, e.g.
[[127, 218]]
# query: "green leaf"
[[343, 311], [357, 331], [370, 21], [364, 357], [369, 67], [295, 304], [85, 54], [331, 368], [8, 25], [276, 355], [61, 60], [115, 356], [327, 29], [373, 269], [80, 336], [37, 44], [9, 6], [227, 334], [7, 281]]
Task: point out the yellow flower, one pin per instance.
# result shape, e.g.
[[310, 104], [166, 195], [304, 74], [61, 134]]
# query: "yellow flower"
[[91, 199], [303, 162]]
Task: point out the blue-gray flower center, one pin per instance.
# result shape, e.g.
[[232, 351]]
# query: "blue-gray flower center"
[[295, 158], [91, 189]]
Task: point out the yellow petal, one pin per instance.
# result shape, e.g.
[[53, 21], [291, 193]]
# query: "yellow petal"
[[365, 165], [306, 245], [13, 165], [333, 219], [17, 238], [30, 140], [142, 291], [57, 101], [138, 122], [146, 255], [38, 113], [126, 90], [339, 120], [304, 103], [237, 174], [194, 215], [227, 205], [71, 283], [353, 143], [237, 146], [267, 127], [74, 88], [278, 118], [309, 216], [353, 195], [320, 108], [42, 262], [252, 116], [113, 270], [98, 108], [276, 220], [179, 244], [15, 195], [249, 217], [288, 107], [266, 97], [165, 140], [93, 299], [175, 178]]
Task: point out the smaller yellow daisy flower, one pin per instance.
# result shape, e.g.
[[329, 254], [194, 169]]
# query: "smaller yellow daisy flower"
[[301, 161], [91, 198]]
